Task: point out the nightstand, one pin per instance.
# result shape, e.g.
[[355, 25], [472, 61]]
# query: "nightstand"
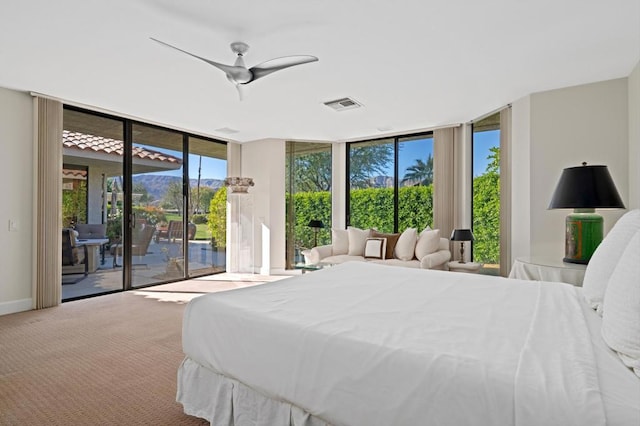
[[468, 267], [542, 268]]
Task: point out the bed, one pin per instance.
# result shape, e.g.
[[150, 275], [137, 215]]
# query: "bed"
[[362, 344]]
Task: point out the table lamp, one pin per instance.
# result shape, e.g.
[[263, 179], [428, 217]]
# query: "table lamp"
[[584, 189], [462, 235], [315, 225]]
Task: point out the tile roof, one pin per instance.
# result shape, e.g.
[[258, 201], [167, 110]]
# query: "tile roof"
[[99, 144], [74, 174]]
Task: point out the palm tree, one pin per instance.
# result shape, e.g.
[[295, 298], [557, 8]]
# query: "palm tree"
[[421, 172]]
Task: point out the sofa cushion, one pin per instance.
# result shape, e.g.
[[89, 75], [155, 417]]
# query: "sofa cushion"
[[375, 248], [340, 241], [357, 240], [428, 242], [406, 245], [392, 240]]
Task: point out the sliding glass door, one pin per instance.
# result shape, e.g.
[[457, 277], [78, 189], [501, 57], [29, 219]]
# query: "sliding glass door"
[[92, 204], [142, 204], [158, 206], [207, 207]]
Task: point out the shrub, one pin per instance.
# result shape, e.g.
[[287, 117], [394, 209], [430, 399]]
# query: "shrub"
[[199, 219]]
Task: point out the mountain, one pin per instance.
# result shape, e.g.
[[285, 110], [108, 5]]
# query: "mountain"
[[157, 185]]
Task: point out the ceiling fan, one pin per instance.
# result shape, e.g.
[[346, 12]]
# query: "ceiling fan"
[[239, 74]]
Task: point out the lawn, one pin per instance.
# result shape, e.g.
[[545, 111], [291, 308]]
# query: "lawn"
[[202, 230]]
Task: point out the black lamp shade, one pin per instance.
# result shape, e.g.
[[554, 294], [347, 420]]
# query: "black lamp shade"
[[315, 224], [586, 187], [462, 235]]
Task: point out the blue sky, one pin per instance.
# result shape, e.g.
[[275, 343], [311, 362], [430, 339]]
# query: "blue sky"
[[410, 151], [213, 168], [482, 141]]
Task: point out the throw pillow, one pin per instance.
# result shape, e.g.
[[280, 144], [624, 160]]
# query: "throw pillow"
[[605, 258], [392, 240], [406, 245], [621, 318], [375, 248], [339, 241], [428, 242], [357, 239]]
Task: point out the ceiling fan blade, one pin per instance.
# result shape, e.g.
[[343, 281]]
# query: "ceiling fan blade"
[[230, 70], [278, 64]]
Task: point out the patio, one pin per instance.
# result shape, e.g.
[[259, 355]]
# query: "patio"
[[162, 262]]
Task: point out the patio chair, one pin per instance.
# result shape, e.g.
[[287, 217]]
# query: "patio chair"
[[174, 230], [74, 258], [89, 231], [140, 244]]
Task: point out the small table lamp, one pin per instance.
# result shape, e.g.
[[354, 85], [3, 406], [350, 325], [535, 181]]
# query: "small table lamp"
[[462, 235], [584, 189], [315, 225]]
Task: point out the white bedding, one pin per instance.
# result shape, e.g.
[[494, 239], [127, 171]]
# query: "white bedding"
[[363, 344]]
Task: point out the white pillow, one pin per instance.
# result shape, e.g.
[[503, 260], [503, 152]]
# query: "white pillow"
[[621, 319], [605, 258], [339, 241], [406, 245], [375, 248], [357, 239], [428, 242]]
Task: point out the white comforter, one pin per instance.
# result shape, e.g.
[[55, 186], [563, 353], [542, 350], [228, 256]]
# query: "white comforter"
[[366, 344]]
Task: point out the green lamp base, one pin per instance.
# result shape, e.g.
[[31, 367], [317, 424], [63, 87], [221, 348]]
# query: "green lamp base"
[[584, 232]]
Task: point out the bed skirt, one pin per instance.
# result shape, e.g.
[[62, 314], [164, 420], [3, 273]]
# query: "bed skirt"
[[221, 400]]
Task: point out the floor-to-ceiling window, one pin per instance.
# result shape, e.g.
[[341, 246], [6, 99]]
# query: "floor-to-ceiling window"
[[137, 199], [308, 198], [486, 193], [390, 183]]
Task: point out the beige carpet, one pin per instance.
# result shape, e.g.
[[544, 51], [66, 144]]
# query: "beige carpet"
[[109, 360]]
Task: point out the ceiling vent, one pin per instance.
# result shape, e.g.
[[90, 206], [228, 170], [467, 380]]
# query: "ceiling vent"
[[226, 130], [343, 104]]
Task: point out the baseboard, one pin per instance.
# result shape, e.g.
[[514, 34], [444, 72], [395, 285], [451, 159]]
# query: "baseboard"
[[16, 306]]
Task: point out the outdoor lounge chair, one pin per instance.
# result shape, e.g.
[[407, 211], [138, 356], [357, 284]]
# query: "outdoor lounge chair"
[[140, 244], [74, 258], [175, 230]]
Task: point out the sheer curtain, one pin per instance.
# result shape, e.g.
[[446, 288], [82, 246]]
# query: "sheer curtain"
[[47, 286], [505, 191], [444, 151]]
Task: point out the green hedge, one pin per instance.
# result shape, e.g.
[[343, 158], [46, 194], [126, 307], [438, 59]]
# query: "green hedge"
[[373, 208]]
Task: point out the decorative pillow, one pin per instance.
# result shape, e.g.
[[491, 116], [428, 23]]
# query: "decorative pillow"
[[621, 319], [339, 241], [406, 245], [375, 248], [606, 256], [392, 239], [428, 242], [357, 239]]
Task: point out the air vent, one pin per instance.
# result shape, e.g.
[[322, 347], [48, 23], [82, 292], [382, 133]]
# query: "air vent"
[[227, 130], [343, 104]]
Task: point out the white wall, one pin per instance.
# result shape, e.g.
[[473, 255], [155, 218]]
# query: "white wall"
[[562, 128], [16, 174], [264, 161], [634, 138]]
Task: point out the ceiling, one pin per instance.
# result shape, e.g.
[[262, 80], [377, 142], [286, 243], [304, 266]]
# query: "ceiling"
[[413, 64]]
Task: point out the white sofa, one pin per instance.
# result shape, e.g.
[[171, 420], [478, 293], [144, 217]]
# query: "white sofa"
[[426, 250]]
